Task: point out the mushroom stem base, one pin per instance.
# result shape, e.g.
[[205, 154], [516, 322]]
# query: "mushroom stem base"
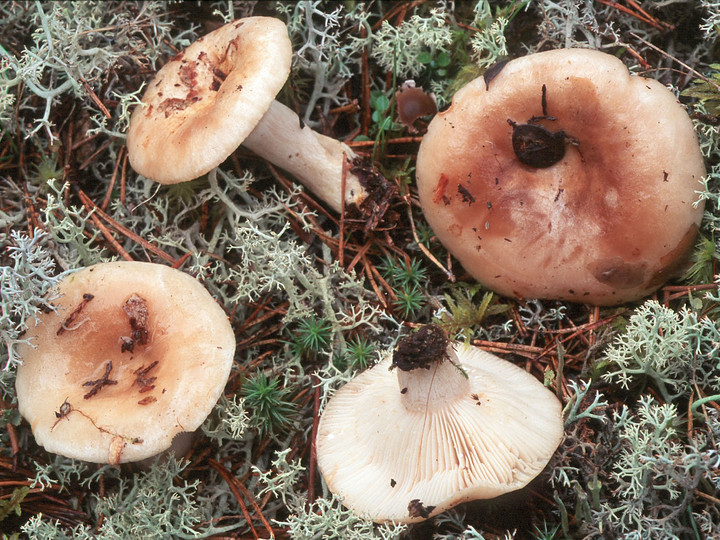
[[314, 159], [441, 383]]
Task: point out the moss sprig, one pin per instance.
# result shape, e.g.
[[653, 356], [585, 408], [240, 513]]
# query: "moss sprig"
[[707, 90], [268, 403]]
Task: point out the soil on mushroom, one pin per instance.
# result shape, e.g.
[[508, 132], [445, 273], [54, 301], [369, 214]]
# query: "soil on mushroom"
[[421, 349]]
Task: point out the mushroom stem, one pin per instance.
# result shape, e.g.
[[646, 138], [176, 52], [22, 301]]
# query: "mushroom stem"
[[442, 382], [314, 159]]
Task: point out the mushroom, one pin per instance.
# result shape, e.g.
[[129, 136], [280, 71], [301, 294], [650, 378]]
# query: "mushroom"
[[413, 103], [435, 425], [132, 355], [560, 175], [220, 92]]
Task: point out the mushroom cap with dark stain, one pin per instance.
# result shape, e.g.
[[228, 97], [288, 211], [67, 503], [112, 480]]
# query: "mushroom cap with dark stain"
[[203, 103], [602, 207], [134, 354]]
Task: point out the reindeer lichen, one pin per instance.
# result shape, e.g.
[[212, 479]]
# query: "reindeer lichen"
[[710, 26], [672, 350], [489, 45], [67, 226], [74, 45], [655, 475], [398, 49], [25, 283], [228, 421], [327, 45], [152, 504]]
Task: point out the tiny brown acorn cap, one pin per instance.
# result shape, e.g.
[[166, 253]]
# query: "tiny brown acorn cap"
[[406, 444], [134, 354], [561, 175], [203, 103], [413, 103]]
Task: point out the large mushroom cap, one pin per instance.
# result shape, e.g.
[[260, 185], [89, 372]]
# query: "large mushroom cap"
[[564, 177], [135, 354], [408, 445], [203, 103]]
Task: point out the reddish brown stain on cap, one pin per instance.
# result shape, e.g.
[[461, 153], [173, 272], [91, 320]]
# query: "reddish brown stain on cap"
[[593, 227]]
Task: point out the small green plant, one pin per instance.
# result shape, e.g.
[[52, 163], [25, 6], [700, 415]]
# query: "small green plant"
[[435, 64], [410, 300], [406, 277], [185, 192], [268, 402], [311, 336], [464, 313], [547, 532], [403, 173], [383, 111], [703, 257], [707, 91], [12, 505], [359, 353], [380, 116], [403, 272], [424, 233], [46, 169]]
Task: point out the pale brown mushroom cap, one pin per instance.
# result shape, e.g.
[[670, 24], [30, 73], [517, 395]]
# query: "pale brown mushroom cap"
[[202, 104], [380, 447], [608, 223], [188, 335]]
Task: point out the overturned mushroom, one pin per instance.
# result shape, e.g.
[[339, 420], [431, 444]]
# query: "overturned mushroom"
[[450, 423], [562, 176], [220, 92], [133, 355]]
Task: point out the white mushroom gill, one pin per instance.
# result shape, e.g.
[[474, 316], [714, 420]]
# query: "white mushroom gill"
[[435, 435]]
